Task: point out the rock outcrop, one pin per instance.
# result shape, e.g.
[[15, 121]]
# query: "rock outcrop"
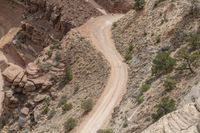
[[184, 120]]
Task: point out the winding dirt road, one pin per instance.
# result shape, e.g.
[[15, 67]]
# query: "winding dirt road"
[[98, 30]]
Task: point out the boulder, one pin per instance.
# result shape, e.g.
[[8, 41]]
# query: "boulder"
[[12, 72], [40, 98], [47, 85], [25, 111], [29, 86]]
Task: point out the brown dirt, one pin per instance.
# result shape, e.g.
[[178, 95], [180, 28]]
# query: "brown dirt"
[[10, 16]]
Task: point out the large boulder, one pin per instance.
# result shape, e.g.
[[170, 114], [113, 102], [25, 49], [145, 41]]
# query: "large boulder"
[[13, 72]]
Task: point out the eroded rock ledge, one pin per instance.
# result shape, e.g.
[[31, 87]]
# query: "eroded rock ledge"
[[184, 120]]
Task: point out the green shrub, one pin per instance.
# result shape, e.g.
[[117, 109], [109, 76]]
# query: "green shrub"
[[139, 5], [163, 64], [44, 67], [53, 78], [128, 55], [140, 99], [190, 60], [55, 45], [144, 88], [195, 41], [45, 110], [105, 131], [49, 53], [166, 106], [67, 107], [57, 57], [67, 77], [169, 84], [87, 105], [70, 124]]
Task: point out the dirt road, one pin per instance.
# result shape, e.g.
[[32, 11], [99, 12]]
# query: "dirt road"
[[98, 31]]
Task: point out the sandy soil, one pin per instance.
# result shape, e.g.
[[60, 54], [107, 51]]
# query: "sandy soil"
[[99, 31]]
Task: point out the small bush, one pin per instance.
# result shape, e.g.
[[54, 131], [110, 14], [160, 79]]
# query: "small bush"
[[139, 5], [128, 55], [163, 64], [53, 78], [140, 99], [195, 41], [105, 131], [44, 67], [57, 57], [87, 105], [144, 88], [49, 53], [62, 101], [55, 45], [166, 106], [67, 107], [169, 84], [70, 124], [45, 110], [67, 77], [51, 114]]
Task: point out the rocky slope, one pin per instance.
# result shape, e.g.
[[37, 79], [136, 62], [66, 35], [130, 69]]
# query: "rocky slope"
[[140, 36]]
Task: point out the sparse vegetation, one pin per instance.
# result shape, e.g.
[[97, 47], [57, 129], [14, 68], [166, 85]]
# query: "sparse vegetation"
[[62, 101], [190, 60], [128, 55], [166, 106], [45, 110], [105, 131], [163, 64], [169, 84], [70, 124], [53, 78], [67, 77], [57, 57], [139, 5], [195, 41], [49, 53], [45, 67], [55, 45], [144, 88], [67, 107], [87, 105], [51, 114]]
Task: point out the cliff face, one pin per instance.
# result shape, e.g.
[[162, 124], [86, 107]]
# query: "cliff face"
[[142, 35]]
